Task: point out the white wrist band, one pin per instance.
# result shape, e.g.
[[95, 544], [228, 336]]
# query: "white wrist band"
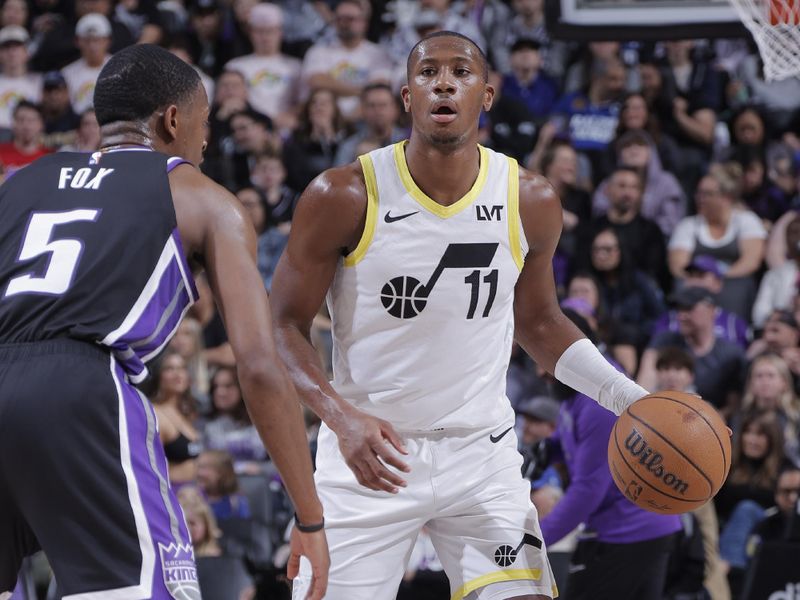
[[585, 370]]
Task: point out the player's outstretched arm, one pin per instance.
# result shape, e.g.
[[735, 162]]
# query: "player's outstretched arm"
[[327, 224], [217, 233], [542, 330]]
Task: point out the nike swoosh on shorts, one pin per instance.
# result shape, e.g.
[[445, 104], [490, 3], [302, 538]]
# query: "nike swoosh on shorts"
[[494, 439]]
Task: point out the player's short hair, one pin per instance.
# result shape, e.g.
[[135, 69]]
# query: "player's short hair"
[[139, 80], [672, 357], [438, 34]]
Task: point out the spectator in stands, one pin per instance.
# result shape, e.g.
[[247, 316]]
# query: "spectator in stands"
[[579, 74], [756, 461], [748, 490], [560, 166], [766, 199], [704, 271], [188, 342], [590, 117], [779, 285], [271, 240], [60, 121], [230, 97], [229, 427], [526, 83], [528, 22], [619, 340], [93, 34], [203, 528], [777, 97], [87, 138], [629, 295], [216, 478], [176, 412], [616, 530], [641, 237], [719, 363], [142, 18], [209, 45], [691, 95], [251, 135], [58, 48], [735, 237], [180, 48], [770, 389], [674, 370], [312, 147], [781, 335], [635, 114], [26, 144], [776, 519], [16, 82], [346, 64], [269, 176], [663, 200], [379, 127], [273, 78], [14, 12]]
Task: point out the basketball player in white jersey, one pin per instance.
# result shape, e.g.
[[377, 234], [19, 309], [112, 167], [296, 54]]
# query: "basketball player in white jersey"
[[435, 254]]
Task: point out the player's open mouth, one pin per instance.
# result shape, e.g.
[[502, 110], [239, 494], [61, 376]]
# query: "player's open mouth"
[[444, 112]]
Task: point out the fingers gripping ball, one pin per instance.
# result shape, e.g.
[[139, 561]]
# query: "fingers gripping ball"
[[669, 452]]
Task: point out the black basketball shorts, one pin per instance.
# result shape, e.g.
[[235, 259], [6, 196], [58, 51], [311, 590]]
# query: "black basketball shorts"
[[83, 476]]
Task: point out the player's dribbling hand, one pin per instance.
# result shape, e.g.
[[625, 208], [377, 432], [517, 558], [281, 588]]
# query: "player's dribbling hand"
[[314, 546], [366, 444]]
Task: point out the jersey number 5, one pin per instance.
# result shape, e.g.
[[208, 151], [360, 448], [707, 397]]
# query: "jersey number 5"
[[63, 254]]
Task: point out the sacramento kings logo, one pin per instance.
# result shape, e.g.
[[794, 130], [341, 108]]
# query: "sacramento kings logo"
[[180, 574]]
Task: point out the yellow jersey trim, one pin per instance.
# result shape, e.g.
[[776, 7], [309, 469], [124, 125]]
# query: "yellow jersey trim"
[[496, 577], [513, 213], [426, 201], [356, 255]]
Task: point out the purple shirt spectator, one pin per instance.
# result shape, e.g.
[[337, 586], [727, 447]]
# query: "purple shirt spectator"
[[592, 497]]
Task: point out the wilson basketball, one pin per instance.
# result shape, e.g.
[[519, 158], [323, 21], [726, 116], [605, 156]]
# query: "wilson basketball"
[[669, 452]]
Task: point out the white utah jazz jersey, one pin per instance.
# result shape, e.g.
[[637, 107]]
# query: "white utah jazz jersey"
[[422, 309]]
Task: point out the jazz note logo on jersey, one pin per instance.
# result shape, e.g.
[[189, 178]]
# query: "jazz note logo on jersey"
[[405, 297]]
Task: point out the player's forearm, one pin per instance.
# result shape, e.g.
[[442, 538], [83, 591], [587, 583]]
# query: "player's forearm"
[[309, 377], [273, 406]]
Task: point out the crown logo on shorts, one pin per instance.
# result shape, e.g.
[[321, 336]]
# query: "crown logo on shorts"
[[180, 573]]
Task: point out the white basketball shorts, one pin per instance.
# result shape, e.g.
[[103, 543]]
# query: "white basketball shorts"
[[466, 486]]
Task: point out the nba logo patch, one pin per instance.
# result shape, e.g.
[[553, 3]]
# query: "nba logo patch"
[[180, 573]]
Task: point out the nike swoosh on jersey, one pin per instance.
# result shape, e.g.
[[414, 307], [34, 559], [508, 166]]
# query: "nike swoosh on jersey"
[[494, 439], [390, 219]]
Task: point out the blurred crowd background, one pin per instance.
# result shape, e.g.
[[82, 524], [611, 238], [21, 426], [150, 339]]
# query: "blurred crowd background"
[[676, 162]]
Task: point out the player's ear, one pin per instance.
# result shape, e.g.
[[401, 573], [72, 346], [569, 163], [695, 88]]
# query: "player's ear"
[[488, 97], [169, 121], [405, 94]]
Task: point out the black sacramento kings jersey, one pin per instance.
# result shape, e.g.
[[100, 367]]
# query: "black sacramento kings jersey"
[[89, 249]]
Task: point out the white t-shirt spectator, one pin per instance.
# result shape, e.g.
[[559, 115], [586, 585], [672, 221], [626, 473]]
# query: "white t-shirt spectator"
[[777, 291], [272, 81], [744, 225], [81, 79], [13, 89], [358, 66]]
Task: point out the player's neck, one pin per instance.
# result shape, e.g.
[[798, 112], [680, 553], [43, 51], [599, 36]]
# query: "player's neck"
[[124, 135], [445, 176]]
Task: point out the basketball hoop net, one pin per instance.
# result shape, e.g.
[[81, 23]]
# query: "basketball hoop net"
[[775, 25]]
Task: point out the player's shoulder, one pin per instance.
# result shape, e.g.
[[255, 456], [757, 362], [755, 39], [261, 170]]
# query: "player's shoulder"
[[338, 188], [535, 189]]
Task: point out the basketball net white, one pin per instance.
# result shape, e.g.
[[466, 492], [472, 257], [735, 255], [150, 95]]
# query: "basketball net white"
[[775, 25]]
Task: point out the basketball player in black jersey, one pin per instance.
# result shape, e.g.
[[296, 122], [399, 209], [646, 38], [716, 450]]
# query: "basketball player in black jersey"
[[96, 260]]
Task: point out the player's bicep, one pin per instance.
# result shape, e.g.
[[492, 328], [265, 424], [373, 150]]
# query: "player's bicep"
[[325, 224]]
